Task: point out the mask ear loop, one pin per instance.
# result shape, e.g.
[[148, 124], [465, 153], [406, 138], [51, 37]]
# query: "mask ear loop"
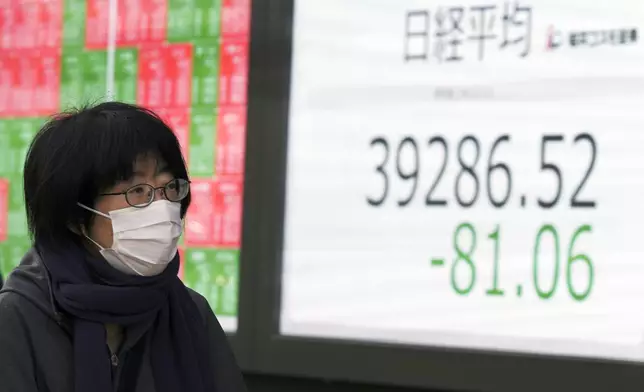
[[104, 215], [92, 241], [83, 227]]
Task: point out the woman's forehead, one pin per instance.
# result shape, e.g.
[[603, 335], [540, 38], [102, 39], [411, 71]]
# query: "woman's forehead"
[[149, 164]]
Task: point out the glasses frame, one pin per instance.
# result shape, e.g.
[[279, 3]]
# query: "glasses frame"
[[154, 190]]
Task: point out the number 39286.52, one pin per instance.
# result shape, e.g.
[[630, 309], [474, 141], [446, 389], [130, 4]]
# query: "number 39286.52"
[[497, 198]]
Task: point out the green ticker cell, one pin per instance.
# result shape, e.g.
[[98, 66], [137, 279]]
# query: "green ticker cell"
[[11, 252], [6, 160], [74, 19], [71, 83], [94, 76], [16, 196], [214, 273], [26, 129], [15, 137], [205, 74], [16, 219], [188, 19], [83, 77], [180, 17], [202, 142], [208, 15], [125, 75]]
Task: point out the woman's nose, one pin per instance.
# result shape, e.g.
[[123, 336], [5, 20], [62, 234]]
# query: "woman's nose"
[[159, 194]]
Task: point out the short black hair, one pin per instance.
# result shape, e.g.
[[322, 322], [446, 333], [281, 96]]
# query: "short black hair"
[[79, 154]]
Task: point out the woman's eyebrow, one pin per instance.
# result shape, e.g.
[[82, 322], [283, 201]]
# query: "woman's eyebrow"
[[162, 167]]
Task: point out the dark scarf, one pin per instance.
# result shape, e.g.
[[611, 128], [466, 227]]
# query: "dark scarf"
[[94, 294]]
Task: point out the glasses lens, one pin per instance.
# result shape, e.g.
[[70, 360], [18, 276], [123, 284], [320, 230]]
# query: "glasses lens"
[[177, 190], [140, 195]]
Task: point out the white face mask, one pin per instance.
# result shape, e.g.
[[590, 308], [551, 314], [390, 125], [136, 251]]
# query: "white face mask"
[[145, 239]]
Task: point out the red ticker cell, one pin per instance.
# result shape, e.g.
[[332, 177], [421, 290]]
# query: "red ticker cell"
[[228, 211], [6, 25], [231, 140], [128, 29], [152, 75], [141, 22], [233, 72], [199, 220], [235, 20], [31, 24], [178, 119], [46, 87], [23, 83], [179, 68], [165, 76], [154, 21], [97, 24], [29, 82], [49, 24], [8, 70], [215, 215]]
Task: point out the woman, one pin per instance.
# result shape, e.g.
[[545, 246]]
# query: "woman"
[[96, 304]]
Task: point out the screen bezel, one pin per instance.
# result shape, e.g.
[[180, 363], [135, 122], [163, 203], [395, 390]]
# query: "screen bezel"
[[372, 362]]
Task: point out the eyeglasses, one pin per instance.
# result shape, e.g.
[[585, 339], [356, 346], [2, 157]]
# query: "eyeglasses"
[[142, 195]]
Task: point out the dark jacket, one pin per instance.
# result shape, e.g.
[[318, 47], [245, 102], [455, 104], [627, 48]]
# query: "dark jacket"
[[36, 349]]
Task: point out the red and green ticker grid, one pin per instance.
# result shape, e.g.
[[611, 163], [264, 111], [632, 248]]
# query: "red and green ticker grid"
[[185, 59]]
